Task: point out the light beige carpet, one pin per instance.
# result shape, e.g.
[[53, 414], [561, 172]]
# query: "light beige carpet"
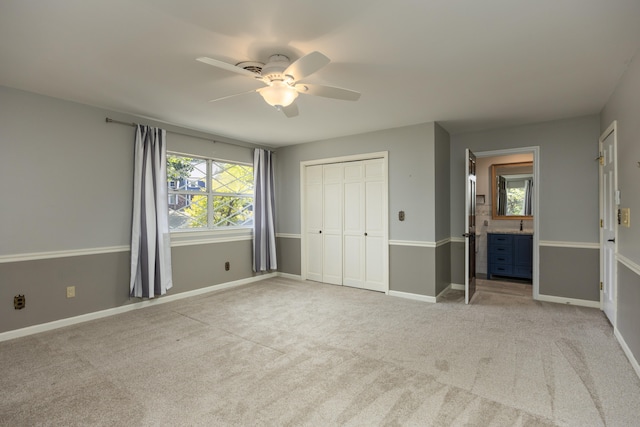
[[284, 352]]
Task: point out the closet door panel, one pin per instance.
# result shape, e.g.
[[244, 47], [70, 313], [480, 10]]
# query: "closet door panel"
[[314, 257], [353, 274], [354, 208], [375, 208], [332, 219], [374, 270], [354, 224], [313, 222], [332, 260]]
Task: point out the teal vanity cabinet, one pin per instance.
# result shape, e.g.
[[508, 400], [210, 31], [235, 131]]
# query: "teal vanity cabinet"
[[510, 255]]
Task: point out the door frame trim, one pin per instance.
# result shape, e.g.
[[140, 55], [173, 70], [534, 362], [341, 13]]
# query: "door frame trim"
[[612, 128], [384, 155], [535, 150]]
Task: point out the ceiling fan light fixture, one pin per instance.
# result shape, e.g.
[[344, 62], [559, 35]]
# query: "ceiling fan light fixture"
[[279, 94]]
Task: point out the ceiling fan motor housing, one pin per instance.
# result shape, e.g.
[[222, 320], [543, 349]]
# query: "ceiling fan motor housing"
[[274, 69]]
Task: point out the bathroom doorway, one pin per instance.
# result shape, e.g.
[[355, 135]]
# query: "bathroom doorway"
[[507, 221]]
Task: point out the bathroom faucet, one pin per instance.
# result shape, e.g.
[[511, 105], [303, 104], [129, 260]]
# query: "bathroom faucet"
[[520, 225]]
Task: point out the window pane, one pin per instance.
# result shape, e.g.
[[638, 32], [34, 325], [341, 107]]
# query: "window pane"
[[227, 189], [515, 201], [231, 178], [186, 173], [187, 211], [230, 211]]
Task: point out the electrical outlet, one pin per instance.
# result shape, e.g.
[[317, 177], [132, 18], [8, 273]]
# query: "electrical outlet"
[[227, 266], [625, 217], [71, 291], [19, 301]]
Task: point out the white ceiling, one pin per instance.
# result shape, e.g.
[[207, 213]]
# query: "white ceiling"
[[467, 64]]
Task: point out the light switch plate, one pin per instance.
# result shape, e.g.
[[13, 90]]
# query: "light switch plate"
[[625, 217]]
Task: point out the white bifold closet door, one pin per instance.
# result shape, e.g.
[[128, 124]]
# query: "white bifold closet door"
[[345, 224]]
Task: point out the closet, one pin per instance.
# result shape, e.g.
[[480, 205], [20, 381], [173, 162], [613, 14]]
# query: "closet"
[[345, 221]]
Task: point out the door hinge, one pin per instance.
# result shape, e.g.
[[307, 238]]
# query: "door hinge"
[[600, 159], [600, 285]]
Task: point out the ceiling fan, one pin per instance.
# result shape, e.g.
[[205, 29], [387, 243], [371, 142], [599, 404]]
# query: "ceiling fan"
[[282, 77]]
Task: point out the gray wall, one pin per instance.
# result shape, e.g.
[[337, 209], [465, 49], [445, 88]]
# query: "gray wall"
[[411, 178], [418, 185], [442, 183], [68, 172], [628, 316], [68, 187], [412, 269], [570, 272], [288, 251], [568, 174], [624, 106], [567, 186]]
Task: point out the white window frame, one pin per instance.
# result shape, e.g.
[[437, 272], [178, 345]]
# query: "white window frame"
[[210, 196]]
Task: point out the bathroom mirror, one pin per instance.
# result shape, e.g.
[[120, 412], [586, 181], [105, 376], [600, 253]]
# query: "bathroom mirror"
[[512, 189]]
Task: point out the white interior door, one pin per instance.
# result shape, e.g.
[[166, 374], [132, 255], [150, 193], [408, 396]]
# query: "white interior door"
[[608, 206], [313, 222], [470, 227], [332, 219]]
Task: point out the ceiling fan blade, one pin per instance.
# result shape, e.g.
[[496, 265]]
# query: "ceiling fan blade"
[[234, 95], [228, 67], [328, 91], [308, 64], [290, 110]]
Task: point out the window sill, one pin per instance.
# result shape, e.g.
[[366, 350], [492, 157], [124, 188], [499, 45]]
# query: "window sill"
[[201, 237]]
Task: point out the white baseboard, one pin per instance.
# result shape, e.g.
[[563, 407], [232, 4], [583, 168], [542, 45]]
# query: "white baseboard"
[[290, 276], [43, 327], [569, 301], [627, 351], [457, 287], [416, 297]]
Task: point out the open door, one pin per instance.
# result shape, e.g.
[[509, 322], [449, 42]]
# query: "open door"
[[470, 228], [608, 223]]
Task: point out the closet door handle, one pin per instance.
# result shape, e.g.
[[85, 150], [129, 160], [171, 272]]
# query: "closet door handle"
[[320, 231], [365, 234]]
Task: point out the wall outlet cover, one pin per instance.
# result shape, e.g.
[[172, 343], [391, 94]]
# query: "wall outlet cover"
[[19, 302]]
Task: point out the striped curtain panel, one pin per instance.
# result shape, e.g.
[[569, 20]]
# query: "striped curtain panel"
[[150, 243], [264, 232]]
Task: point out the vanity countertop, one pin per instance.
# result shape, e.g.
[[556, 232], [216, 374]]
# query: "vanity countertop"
[[509, 231]]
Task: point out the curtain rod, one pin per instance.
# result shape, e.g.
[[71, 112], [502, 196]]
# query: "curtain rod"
[[110, 120]]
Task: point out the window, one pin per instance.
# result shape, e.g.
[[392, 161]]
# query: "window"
[[515, 197], [208, 194]]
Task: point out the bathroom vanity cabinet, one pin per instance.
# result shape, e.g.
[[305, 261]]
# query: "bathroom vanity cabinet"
[[510, 255]]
